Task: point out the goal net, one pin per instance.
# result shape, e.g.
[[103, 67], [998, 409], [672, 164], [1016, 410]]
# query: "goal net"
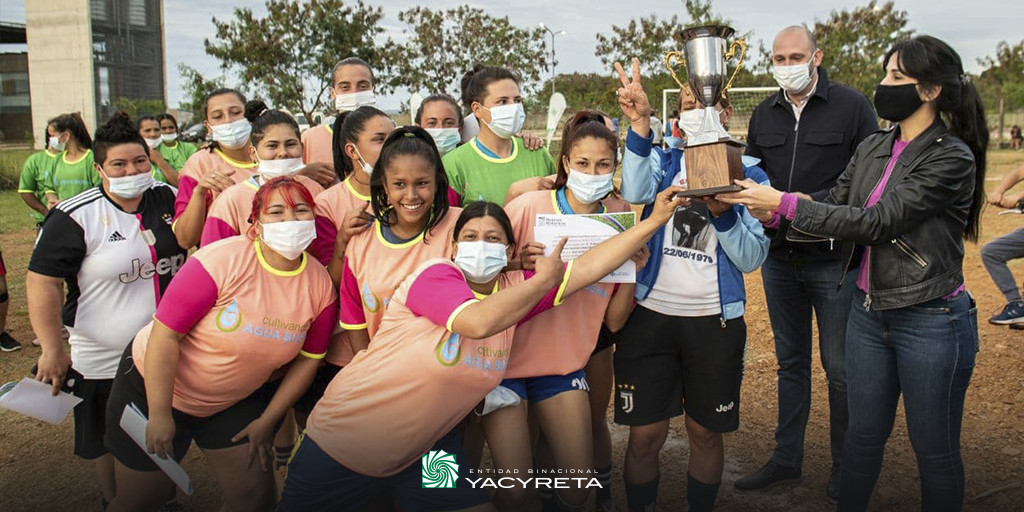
[[744, 100]]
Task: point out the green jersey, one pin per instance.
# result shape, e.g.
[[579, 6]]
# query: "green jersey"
[[177, 155], [476, 174], [34, 176], [69, 179], [158, 175]]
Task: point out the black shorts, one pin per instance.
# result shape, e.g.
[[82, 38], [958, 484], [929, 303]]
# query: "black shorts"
[[211, 432], [665, 365], [605, 340], [324, 375], [90, 413]]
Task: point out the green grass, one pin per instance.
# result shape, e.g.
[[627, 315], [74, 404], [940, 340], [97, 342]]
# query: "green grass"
[[15, 215], [11, 161]]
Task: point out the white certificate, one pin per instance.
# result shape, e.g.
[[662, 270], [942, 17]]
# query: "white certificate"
[[35, 399], [584, 231], [134, 424]]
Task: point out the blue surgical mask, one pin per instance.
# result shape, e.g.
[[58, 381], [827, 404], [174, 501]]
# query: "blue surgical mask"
[[589, 188], [481, 261], [446, 139]]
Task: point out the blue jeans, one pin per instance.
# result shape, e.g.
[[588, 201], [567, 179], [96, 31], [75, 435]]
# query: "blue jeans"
[[926, 352], [793, 290]]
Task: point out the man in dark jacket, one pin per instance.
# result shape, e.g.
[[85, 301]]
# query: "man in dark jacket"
[[805, 136]]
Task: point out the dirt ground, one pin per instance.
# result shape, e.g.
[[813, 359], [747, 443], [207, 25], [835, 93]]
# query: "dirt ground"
[[38, 471]]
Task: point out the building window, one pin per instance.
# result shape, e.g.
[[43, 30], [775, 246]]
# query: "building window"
[[137, 12], [99, 9], [103, 74]]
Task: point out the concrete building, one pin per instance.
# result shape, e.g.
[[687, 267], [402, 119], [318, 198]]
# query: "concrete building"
[[15, 109], [87, 55]]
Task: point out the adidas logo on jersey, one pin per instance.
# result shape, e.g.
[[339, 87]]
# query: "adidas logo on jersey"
[[116, 237]]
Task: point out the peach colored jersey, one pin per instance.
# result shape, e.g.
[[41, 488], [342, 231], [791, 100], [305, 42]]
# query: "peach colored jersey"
[[556, 342], [241, 319], [229, 213], [418, 379], [375, 267], [202, 162], [318, 145], [332, 205]]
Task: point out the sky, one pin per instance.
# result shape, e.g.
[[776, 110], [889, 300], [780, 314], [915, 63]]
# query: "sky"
[[972, 28]]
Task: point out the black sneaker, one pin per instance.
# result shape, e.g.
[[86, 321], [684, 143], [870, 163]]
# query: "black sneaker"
[[770, 475], [7, 343], [832, 489]]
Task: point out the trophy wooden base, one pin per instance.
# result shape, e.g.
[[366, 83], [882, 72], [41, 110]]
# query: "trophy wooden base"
[[711, 168]]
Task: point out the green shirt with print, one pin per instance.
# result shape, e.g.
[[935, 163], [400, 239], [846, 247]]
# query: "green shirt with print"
[[477, 176], [34, 176], [69, 179]]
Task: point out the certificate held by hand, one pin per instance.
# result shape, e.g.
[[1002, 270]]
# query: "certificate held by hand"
[[583, 232]]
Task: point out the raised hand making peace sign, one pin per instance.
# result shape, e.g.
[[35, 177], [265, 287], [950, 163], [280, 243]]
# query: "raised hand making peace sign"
[[633, 100]]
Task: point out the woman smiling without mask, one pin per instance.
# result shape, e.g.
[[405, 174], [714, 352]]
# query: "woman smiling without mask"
[[486, 167], [546, 367], [275, 146], [908, 198], [239, 310], [149, 129], [412, 223], [113, 247], [443, 344]]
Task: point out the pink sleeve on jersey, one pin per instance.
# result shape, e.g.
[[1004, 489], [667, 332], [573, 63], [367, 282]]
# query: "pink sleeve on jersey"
[[318, 337], [215, 229], [453, 197], [351, 302], [189, 297], [322, 247], [186, 185], [438, 293]]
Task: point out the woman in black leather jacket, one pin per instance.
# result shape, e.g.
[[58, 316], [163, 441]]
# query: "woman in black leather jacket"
[[906, 202]]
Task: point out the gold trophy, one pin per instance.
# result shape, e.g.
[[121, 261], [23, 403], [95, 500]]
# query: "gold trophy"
[[713, 157]]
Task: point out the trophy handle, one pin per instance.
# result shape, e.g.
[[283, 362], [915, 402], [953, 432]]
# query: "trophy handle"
[[669, 57], [742, 45]]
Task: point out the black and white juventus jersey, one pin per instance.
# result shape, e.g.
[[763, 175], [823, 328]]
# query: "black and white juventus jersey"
[[116, 265]]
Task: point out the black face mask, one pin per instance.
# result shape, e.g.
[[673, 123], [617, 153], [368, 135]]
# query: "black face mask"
[[896, 102]]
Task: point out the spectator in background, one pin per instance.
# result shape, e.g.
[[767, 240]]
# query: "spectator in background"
[[36, 172], [1008, 247], [73, 172], [7, 342], [175, 152], [657, 131], [1016, 138], [672, 137], [805, 135]]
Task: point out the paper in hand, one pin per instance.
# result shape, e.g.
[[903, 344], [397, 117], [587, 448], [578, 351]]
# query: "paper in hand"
[[35, 399], [133, 422], [583, 232]]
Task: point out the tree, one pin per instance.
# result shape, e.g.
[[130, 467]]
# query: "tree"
[[289, 54], [136, 107], [1003, 78], [443, 45], [854, 43], [195, 89]]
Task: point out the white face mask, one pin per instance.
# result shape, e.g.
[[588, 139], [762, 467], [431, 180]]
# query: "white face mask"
[[56, 144], [690, 122], [130, 187], [445, 138], [290, 237], [354, 100], [169, 137], [153, 143], [280, 167], [232, 135], [792, 79], [589, 188], [506, 120], [481, 261], [367, 168]]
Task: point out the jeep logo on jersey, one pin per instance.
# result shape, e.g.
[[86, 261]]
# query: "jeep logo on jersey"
[[146, 269], [725, 407]]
